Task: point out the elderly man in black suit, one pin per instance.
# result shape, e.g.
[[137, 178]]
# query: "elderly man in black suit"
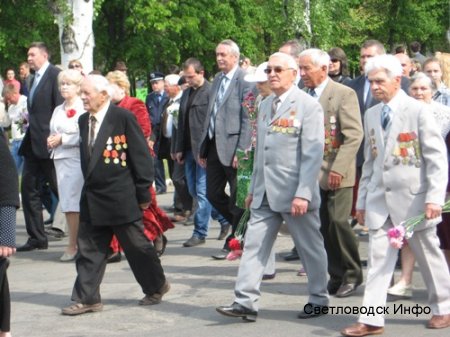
[[44, 96], [117, 168], [226, 128]]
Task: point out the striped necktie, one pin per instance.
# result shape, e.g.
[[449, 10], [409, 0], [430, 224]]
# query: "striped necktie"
[[385, 116], [218, 101]]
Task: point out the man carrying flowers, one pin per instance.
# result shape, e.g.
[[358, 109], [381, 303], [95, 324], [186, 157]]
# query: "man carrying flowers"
[[404, 174]]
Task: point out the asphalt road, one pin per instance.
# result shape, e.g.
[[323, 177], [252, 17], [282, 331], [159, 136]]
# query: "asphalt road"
[[41, 285]]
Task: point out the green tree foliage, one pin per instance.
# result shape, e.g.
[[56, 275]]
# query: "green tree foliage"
[[154, 34]]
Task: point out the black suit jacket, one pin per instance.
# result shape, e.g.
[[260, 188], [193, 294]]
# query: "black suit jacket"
[[115, 182], [197, 114], [46, 98]]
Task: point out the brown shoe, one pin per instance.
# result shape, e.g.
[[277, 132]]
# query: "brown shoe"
[[156, 297], [80, 308], [439, 322], [360, 329]]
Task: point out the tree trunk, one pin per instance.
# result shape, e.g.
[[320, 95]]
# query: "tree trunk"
[[76, 35]]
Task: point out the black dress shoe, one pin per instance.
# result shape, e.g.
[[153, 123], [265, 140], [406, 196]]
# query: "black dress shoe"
[[114, 258], [333, 288], [237, 310], [292, 256], [222, 255], [311, 310], [31, 245], [267, 277], [346, 290]]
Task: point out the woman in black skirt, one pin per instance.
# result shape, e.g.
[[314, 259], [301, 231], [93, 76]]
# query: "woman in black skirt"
[[9, 202]]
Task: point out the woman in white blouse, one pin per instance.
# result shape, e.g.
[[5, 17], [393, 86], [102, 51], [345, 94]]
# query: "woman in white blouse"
[[64, 144]]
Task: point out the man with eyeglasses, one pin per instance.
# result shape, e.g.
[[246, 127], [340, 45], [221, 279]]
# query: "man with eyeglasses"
[[284, 187], [343, 136]]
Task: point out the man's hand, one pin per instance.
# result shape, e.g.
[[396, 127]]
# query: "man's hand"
[[360, 216], [144, 206], [299, 206], [235, 162], [202, 162], [248, 200], [334, 180], [151, 143], [7, 251], [432, 211], [54, 141], [179, 158]]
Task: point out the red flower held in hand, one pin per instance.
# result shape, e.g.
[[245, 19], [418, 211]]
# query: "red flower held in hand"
[[71, 112], [234, 244]]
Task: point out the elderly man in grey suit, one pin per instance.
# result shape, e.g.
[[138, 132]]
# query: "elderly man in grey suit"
[[226, 128], [284, 187], [404, 174]]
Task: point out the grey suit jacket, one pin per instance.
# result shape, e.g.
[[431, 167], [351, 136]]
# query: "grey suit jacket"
[[289, 151], [400, 175], [343, 133], [197, 115], [232, 126]]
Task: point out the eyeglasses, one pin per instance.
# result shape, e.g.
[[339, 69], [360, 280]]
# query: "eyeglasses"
[[335, 60], [277, 70], [73, 66]]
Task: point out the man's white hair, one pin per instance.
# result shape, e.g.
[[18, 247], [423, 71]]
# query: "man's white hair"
[[172, 79], [234, 48], [389, 63], [286, 58], [318, 57], [100, 84]]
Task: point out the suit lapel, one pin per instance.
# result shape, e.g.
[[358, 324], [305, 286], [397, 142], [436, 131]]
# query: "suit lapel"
[[285, 106], [233, 83], [100, 142], [326, 95], [40, 84]]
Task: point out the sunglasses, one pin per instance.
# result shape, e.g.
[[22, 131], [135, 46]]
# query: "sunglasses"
[[73, 66], [277, 70], [334, 60]]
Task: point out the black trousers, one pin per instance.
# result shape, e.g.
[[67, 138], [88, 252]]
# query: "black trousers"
[[93, 248], [217, 177], [5, 301], [33, 171]]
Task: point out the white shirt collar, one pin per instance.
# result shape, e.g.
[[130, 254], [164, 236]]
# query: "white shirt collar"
[[283, 96], [231, 73], [321, 87], [42, 70]]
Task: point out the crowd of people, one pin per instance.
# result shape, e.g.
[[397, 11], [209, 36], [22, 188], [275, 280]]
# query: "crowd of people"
[[294, 141]]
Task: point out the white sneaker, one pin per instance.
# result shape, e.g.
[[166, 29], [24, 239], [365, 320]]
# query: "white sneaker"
[[400, 290]]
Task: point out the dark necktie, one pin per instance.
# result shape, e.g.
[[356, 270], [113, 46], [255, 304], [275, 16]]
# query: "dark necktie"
[[312, 92], [92, 133]]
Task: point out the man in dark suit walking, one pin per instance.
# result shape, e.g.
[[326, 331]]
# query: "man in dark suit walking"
[[226, 128], [117, 168], [43, 97]]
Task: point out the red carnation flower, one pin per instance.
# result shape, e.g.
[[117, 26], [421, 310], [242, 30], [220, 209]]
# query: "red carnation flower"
[[71, 112], [234, 244]]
